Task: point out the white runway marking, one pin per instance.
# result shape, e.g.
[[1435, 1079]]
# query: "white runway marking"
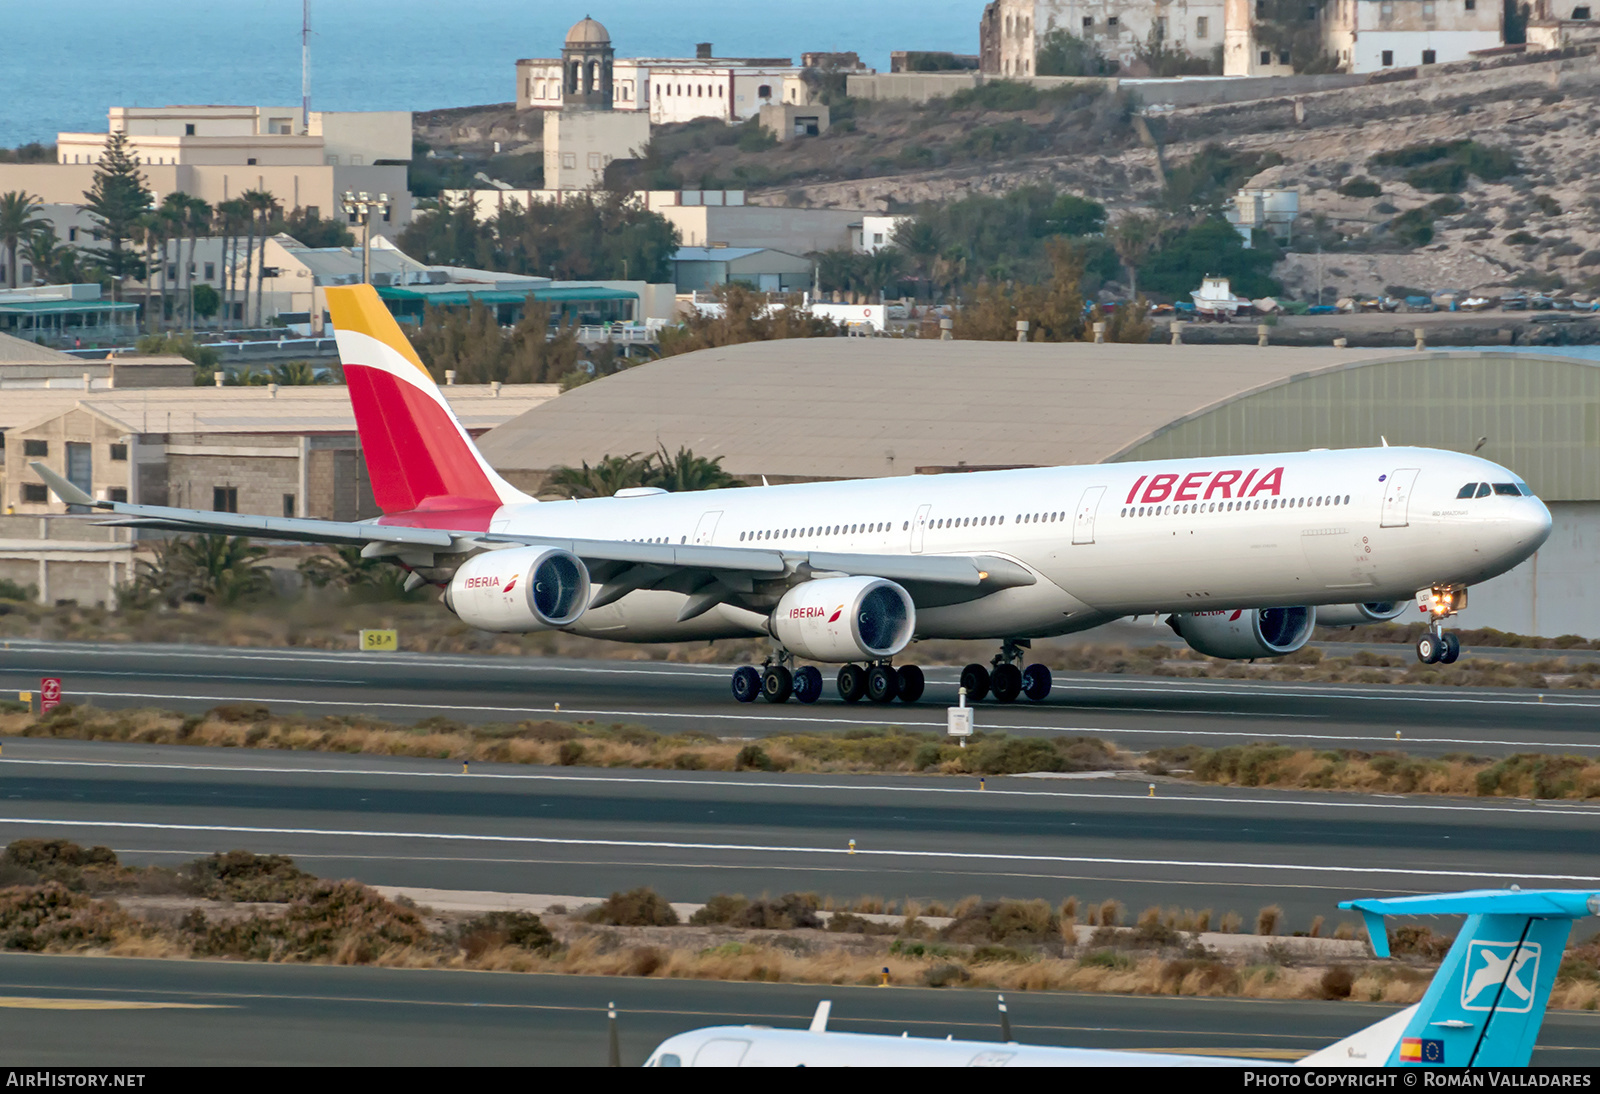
[[1078, 682], [1135, 794], [767, 849], [1108, 731]]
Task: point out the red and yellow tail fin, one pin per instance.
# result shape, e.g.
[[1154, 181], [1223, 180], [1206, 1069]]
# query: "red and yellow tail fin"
[[418, 455]]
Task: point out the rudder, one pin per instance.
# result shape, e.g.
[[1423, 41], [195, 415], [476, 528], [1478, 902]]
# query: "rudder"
[[419, 457]]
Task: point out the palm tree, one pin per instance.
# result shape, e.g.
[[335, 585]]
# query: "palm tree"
[[686, 471], [169, 226], [298, 374], [1133, 237], [196, 220], [17, 222], [54, 262], [231, 216], [211, 569], [605, 478], [263, 204]]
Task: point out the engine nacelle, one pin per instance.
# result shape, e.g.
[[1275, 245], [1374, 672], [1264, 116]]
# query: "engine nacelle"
[[520, 589], [1253, 632], [1352, 615], [845, 619]]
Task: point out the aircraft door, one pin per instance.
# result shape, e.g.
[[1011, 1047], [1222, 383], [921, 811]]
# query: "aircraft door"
[[1397, 498], [1083, 520], [918, 526], [707, 528]]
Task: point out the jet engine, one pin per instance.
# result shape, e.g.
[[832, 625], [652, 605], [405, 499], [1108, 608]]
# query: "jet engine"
[[844, 619], [1351, 615], [1247, 633], [519, 589]]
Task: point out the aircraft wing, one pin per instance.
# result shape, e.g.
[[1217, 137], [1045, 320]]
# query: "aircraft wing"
[[680, 567]]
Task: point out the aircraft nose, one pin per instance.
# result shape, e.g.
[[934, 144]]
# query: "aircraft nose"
[[1523, 529]]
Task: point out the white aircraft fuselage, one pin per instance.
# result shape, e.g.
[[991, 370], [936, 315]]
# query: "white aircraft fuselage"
[[1103, 541]]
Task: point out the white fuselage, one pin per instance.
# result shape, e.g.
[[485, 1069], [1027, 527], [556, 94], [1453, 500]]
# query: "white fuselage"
[[1103, 541]]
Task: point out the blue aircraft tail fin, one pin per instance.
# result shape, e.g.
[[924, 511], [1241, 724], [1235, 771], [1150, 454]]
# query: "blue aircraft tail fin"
[[1487, 1001]]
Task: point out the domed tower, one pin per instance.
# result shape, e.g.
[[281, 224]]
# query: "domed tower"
[[586, 66]]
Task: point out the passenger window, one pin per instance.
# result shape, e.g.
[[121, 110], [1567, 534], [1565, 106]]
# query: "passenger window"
[[1509, 489], [1483, 490]]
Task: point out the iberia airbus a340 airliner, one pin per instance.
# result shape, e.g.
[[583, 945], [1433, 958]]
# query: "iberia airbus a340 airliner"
[[1244, 554]]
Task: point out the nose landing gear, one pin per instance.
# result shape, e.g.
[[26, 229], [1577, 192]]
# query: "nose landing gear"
[[1440, 602]]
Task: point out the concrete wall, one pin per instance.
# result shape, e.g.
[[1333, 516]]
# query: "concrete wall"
[[66, 558], [795, 231], [579, 143], [1180, 91]]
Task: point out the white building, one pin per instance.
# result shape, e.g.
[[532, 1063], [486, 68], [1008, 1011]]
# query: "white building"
[[1369, 35], [667, 89], [578, 144], [1119, 31], [876, 232]]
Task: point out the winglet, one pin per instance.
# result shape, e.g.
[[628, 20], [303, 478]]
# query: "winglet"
[[64, 489], [819, 1020]]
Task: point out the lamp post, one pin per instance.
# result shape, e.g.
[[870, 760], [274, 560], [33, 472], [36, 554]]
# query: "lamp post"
[[361, 205]]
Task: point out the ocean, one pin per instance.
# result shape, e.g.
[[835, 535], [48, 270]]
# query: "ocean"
[[67, 61]]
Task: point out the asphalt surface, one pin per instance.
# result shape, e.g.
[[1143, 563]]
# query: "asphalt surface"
[[690, 835], [118, 1012], [1138, 712]]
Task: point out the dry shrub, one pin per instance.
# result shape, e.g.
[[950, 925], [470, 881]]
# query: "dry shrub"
[[641, 907], [1231, 923], [1418, 940], [246, 877], [1189, 976], [497, 930], [944, 974], [1316, 927], [1268, 918], [1336, 983], [1110, 913], [1069, 909], [645, 961], [787, 913], [846, 923], [342, 922], [1005, 921], [52, 917], [719, 909], [1152, 930]]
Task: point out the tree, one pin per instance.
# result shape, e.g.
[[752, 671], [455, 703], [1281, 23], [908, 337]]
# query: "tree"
[[1130, 322], [196, 221], [471, 342], [299, 374], [686, 471], [206, 300], [17, 223], [743, 315], [205, 569], [116, 200], [344, 568], [235, 217], [54, 262], [1054, 311], [599, 236], [1211, 247], [311, 230], [1063, 54], [263, 205], [1132, 238], [604, 479]]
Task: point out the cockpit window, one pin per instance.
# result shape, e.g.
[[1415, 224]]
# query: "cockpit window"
[[1468, 490], [1483, 490], [668, 1059], [1507, 488]]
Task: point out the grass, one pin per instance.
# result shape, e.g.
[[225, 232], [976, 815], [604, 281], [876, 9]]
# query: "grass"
[[888, 750]]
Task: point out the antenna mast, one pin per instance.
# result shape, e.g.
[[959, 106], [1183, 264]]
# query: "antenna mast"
[[305, 69]]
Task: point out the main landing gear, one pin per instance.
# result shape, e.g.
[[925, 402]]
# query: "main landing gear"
[[1436, 647], [776, 682], [1006, 680]]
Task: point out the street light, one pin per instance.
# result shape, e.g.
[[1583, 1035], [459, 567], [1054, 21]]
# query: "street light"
[[361, 205]]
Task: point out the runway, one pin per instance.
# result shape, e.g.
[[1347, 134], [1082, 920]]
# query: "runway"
[[691, 835], [1138, 712], [100, 1012]]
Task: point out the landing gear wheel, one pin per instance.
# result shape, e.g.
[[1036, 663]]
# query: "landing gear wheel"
[[1429, 649], [808, 684], [746, 684], [1006, 680], [777, 685], [852, 683], [975, 678], [1452, 650], [911, 683], [882, 683], [1036, 682]]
